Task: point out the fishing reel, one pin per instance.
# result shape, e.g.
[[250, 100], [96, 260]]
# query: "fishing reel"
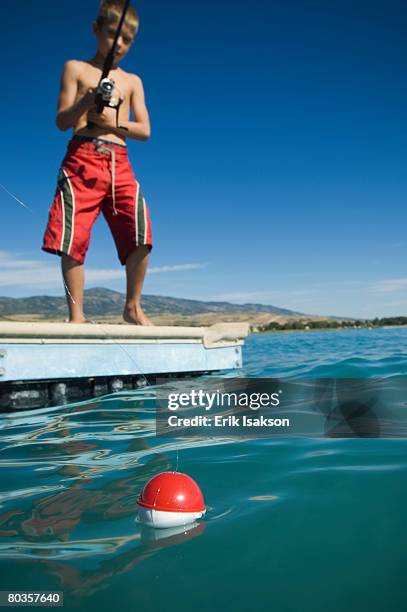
[[107, 95], [105, 91]]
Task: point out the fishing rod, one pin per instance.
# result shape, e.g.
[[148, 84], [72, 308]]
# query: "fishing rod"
[[105, 88]]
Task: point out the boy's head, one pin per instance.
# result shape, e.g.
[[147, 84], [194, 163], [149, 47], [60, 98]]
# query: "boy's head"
[[106, 24]]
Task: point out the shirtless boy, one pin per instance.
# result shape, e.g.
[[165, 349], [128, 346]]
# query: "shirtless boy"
[[96, 174]]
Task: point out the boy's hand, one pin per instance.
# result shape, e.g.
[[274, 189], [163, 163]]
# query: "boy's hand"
[[105, 119]]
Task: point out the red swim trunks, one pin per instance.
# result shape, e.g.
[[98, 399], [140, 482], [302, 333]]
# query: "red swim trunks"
[[96, 176]]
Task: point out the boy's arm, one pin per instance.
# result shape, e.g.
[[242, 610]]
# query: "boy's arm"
[[139, 128], [69, 111]]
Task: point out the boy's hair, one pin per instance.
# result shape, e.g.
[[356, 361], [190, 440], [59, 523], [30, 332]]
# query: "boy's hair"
[[110, 12]]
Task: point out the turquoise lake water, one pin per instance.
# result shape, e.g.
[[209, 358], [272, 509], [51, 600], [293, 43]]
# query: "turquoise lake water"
[[292, 524]]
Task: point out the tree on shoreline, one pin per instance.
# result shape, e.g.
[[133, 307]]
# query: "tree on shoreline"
[[304, 324]]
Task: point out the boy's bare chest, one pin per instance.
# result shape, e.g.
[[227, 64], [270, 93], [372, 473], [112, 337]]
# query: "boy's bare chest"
[[90, 78]]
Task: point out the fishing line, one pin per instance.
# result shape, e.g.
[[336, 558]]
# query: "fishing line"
[[15, 198], [147, 383]]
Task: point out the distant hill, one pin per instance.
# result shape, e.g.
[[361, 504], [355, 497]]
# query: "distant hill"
[[105, 302]]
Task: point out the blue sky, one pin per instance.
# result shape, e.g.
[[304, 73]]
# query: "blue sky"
[[276, 168]]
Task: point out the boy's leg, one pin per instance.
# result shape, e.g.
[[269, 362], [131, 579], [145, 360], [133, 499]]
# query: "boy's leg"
[[82, 183], [136, 266], [74, 276], [129, 221]]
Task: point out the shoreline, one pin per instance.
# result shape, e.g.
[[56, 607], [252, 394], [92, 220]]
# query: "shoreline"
[[326, 329]]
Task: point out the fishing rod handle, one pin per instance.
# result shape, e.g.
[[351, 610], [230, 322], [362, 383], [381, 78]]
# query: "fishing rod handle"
[[100, 105]]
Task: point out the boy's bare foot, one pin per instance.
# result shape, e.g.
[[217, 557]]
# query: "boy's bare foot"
[[78, 320], [135, 315]]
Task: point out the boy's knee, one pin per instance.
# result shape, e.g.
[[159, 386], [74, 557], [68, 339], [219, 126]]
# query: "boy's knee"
[[69, 261], [138, 251]]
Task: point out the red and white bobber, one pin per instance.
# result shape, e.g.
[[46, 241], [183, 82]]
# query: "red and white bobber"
[[171, 499]]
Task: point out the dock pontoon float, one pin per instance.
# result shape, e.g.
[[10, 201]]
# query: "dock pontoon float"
[[47, 364]]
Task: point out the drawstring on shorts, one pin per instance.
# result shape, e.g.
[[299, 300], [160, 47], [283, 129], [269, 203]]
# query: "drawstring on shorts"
[[104, 149]]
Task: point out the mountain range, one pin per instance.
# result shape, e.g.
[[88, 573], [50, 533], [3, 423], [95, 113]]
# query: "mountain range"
[[105, 302]]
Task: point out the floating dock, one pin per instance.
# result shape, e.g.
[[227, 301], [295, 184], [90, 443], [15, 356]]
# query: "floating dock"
[[46, 364]]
